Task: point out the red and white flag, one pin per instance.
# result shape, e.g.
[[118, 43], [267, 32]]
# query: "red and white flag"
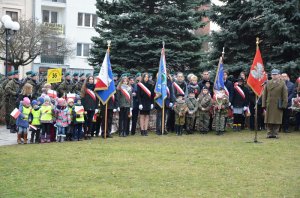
[[33, 127], [178, 88], [52, 93], [15, 113], [145, 89], [257, 75], [79, 109], [103, 80], [91, 93]]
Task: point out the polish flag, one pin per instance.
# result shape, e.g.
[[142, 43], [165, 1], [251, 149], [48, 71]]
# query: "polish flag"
[[33, 127], [71, 95], [15, 113], [79, 109], [52, 93]]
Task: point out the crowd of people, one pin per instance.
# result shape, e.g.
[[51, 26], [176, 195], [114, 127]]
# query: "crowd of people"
[[71, 110]]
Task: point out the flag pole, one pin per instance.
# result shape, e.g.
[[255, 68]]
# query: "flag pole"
[[256, 100], [163, 105], [105, 119]]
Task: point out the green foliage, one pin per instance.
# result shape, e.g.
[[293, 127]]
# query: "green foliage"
[[137, 29], [276, 23]]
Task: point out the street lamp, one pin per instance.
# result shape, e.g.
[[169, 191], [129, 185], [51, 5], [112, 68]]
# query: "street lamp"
[[11, 27]]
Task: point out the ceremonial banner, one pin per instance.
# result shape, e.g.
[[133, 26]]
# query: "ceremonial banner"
[[54, 75], [257, 75], [15, 113], [161, 84], [105, 86]]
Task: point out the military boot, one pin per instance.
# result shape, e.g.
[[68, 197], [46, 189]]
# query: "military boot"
[[239, 127], [25, 138], [19, 138]]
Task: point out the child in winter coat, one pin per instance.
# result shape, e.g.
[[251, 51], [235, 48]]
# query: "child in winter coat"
[[70, 130], [193, 86], [46, 119], [180, 109], [63, 119], [23, 119], [35, 122], [78, 118]]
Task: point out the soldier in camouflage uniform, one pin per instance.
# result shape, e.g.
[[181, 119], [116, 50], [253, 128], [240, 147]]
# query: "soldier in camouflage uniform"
[[180, 109], [221, 104], [35, 85], [204, 104], [12, 91], [78, 85], [25, 80], [65, 87], [4, 99], [192, 104]]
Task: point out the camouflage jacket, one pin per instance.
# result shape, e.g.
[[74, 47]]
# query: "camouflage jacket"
[[180, 108], [221, 104], [192, 105], [204, 103], [64, 88]]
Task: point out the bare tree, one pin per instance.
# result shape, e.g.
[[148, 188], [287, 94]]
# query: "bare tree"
[[32, 40]]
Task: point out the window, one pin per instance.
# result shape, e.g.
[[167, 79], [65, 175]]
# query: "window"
[[80, 18], [13, 15], [87, 20], [83, 49], [49, 16]]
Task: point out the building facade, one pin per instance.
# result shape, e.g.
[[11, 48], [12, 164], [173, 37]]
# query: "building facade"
[[73, 20], [16, 9]]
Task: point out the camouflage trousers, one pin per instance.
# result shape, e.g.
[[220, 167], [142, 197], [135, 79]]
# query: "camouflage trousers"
[[220, 121], [179, 120], [202, 122], [190, 123]]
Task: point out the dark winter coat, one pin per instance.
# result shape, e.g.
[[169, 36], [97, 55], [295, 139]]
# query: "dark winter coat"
[[238, 101], [88, 102], [143, 98]]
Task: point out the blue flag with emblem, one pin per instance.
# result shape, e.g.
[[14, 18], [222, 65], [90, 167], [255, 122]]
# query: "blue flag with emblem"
[[219, 80], [161, 83]]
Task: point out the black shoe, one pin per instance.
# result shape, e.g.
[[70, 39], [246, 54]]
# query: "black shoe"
[[146, 133], [8, 127], [158, 133]]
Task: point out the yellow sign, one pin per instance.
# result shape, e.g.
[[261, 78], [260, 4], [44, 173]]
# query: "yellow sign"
[[54, 75]]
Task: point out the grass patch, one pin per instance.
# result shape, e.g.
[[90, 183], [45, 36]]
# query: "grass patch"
[[154, 166]]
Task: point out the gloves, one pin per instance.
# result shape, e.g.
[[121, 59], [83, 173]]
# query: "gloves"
[[231, 107], [152, 106], [245, 108], [130, 109], [140, 107], [114, 110], [118, 109], [171, 105], [96, 110]]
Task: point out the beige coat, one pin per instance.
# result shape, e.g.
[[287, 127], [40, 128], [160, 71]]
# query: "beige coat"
[[273, 93]]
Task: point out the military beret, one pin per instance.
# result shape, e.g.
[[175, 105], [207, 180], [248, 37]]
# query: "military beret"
[[28, 73], [82, 74], [33, 74], [67, 74], [138, 74], [88, 74], [96, 74], [124, 75], [16, 72], [75, 74], [275, 71], [115, 75], [10, 73]]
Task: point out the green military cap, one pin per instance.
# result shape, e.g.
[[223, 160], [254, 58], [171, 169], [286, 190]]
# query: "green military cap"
[[75, 74], [67, 74], [88, 74], [82, 74], [138, 74], [33, 74], [10, 73], [124, 75], [28, 73], [16, 72], [115, 75], [96, 74]]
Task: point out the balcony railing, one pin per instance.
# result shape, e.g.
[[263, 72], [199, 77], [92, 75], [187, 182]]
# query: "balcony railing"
[[52, 59], [59, 28]]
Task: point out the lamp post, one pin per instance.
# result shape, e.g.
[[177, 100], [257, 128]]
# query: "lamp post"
[[11, 27]]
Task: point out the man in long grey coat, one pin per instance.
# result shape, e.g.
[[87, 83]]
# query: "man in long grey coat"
[[274, 100]]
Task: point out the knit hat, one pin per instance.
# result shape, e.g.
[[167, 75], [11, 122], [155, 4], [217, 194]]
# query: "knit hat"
[[47, 98], [191, 90], [41, 100], [204, 87], [26, 101], [70, 100], [34, 102], [61, 102]]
